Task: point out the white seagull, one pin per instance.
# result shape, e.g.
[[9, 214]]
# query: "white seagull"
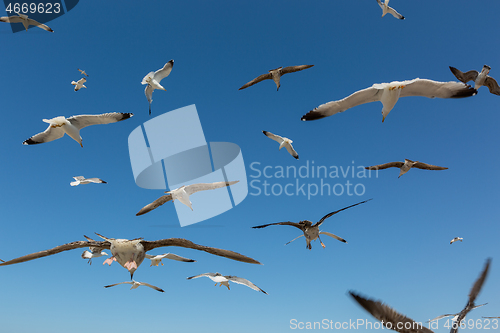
[[21, 18], [95, 252], [224, 280], [79, 84], [156, 260], [284, 142], [480, 79], [82, 180], [389, 93], [182, 194], [131, 253], [152, 79], [311, 231], [83, 72], [136, 284], [405, 166], [275, 75], [456, 239], [72, 126], [386, 9]]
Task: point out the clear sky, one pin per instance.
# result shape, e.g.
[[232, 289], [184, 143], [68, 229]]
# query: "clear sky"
[[398, 244]]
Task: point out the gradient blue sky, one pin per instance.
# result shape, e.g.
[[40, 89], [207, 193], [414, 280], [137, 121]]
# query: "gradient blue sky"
[[398, 244]]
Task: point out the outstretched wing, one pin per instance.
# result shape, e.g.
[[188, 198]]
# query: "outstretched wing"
[[201, 275], [274, 137], [289, 148], [164, 72], [464, 77], [492, 85], [257, 80], [426, 166], [50, 134], [155, 204], [317, 224], [112, 285], [293, 224], [151, 286], [333, 236], [190, 189], [40, 25], [98, 119], [394, 13], [291, 69], [385, 166], [431, 89], [476, 288], [244, 282]]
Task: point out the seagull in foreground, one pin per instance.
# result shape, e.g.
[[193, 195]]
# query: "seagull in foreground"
[[386, 9], [72, 126], [95, 252], [275, 75], [136, 284], [182, 194], [79, 84], [389, 317], [131, 253], [82, 180], [83, 72], [153, 81], [156, 260], [311, 231], [405, 166], [284, 142], [389, 93], [21, 18], [476, 288], [480, 79], [456, 239], [224, 280]]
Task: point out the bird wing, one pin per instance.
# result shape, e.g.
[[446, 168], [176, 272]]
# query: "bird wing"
[[112, 285], [476, 288], [11, 19], [243, 281], [426, 166], [291, 69], [274, 137], [367, 95], [317, 224], [155, 204], [82, 80], [380, 4], [464, 77], [151, 286], [394, 13], [293, 224], [190, 189], [385, 166], [492, 85], [79, 178], [96, 180], [40, 25], [83, 72], [491, 317], [431, 89], [50, 134], [201, 275], [390, 316], [98, 119], [257, 80], [294, 239], [149, 93], [292, 151], [443, 316], [171, 256], [333, 236], [164, 72], [149, 245]]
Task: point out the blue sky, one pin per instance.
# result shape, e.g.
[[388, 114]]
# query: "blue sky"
[[398, 244]]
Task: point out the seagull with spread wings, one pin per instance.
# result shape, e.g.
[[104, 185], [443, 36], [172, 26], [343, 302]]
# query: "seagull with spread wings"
[[152, 79], [389, 93], [284, 142], [156, 259], [224, 280], [405, 166], [311, 231], [275, 75], [72, 126], [480, 79], [95, 252], [79, 84], [21, 18], [82, 180], [456, 239], [389, 10], [136, 284], [83, 72]]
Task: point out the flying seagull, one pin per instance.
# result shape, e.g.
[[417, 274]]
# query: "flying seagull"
[[491, 317], [284, 142], [480, 79], [275, 75], [311, 231], [21, 18], [131, 253], [136, 284], [182, 194], [82, 180], [224, 280], [83, 72], [476, 288], [153, 81], [405, 166], [386, 9], [95, 252], [455, 315], [389, 317], [456, 239], [156, 260], [72, 126], [79, 84], [389, 93]]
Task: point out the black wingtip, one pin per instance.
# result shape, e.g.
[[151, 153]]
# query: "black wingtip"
[[465, 92], [311, 115], [30, 142], [127, 115]]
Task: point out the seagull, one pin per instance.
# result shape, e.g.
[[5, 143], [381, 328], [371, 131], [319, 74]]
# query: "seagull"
[[153, 81], [480, 79], [491, 317], [72, 126], [311, 231], [275, 75], [136, 284], [386, 9], [389, 93], [456, 239], [79, 84], [156, 260], [182, 194], [82, 71], [405, 166], [284, 142], [455, 315], [476, 288], [389, 317], [95, 252], [224, 280], [21, 18], [82, 180], [131, 253]]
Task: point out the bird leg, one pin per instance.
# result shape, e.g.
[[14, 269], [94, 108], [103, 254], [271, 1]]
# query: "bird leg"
[[131, 264], [323, 245], [109, 260]]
